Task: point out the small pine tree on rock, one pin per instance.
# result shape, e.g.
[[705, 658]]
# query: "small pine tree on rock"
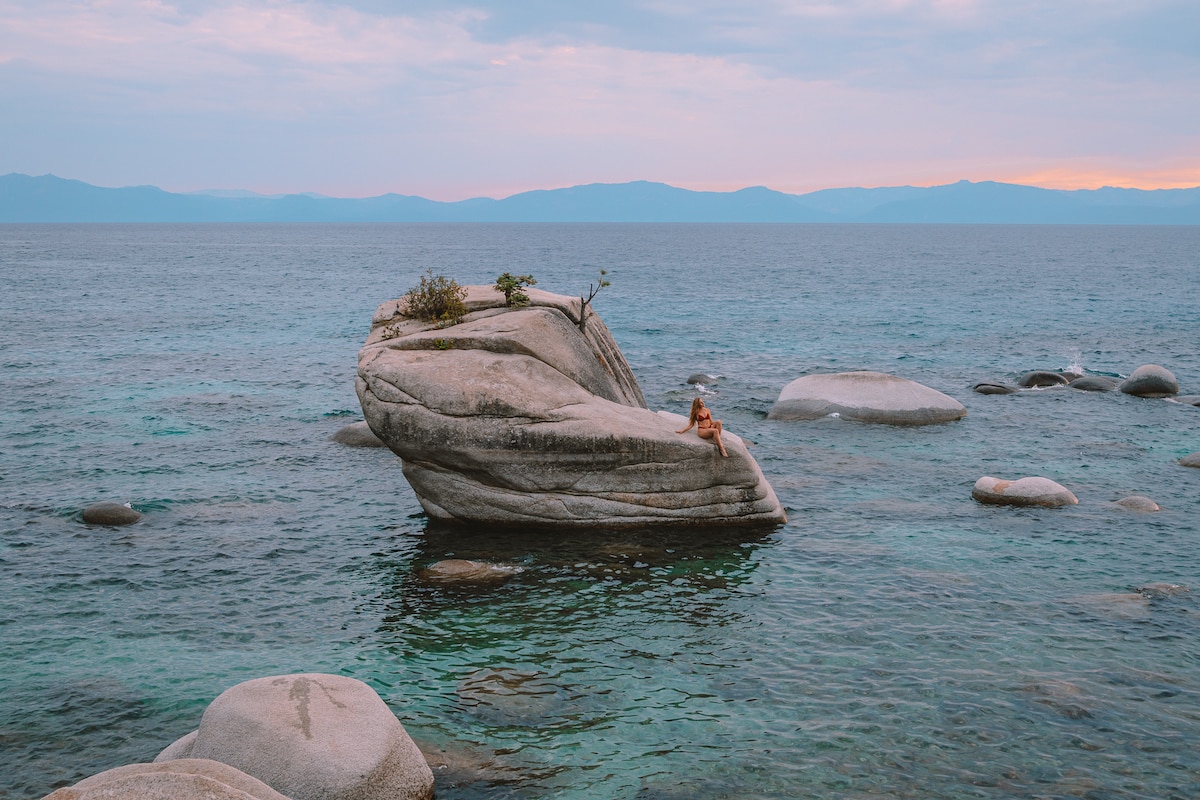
[[511, 285]]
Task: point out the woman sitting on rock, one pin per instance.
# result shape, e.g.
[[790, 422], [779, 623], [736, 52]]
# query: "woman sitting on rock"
[[706, 426]]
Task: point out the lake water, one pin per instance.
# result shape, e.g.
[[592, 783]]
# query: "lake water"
[[894, 640]]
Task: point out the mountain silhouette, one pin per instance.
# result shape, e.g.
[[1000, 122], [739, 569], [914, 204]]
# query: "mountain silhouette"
[[48, 198]]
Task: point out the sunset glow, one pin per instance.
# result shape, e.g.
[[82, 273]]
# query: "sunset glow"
[[450, 101]]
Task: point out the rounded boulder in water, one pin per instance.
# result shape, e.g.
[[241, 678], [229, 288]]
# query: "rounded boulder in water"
[[1032, 491], [1042, 378], [865, 397], [311, 736], [1151, 380], [702, 378], [1138, 502], [110, 514], [1192, 460], [988, 387]]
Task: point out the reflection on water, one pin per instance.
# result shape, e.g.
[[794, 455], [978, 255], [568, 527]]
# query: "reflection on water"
[[596, 627]]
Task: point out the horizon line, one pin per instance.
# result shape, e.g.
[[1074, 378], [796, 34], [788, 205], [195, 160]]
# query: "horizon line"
[[277, 194]]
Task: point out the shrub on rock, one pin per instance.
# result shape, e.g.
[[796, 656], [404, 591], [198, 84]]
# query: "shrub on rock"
[[1032, 491]]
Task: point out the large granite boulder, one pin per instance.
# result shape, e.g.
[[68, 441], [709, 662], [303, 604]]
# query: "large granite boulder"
[[311, 737], [865, 397], [520, 416], [1151, 380], [185, 779], [1033, 491]]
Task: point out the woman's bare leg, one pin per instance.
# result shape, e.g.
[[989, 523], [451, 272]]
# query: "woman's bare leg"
[[714, 433]]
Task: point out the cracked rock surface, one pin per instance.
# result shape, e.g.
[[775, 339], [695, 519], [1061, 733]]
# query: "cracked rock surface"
[[517, 416]]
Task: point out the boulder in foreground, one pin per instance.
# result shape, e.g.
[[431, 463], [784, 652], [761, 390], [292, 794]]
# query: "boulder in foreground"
[[519, 416], [1023, 492], [311, 737], [865, 397], [186, 779]]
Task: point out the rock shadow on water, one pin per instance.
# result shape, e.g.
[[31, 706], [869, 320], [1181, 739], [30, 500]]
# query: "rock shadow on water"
[[556, 578], [498, 557]]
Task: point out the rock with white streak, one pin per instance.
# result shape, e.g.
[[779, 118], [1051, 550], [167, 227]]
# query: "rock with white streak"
[[311, 737]]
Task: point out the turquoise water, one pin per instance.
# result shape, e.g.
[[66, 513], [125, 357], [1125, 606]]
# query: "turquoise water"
[[894, 639]]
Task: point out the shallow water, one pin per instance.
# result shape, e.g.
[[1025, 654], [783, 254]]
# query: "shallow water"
[[894, 639]]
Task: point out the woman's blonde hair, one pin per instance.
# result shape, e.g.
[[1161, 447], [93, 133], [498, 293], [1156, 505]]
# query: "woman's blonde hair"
[[695, 410]]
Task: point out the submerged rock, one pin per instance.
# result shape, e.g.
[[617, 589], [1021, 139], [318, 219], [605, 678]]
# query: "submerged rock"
[[1043, 378], [110, 514], [514, 697], [1032, 491], [1151, 380], [311, 737], [1192, 460], [865, 397], [1188, 399], [1094, 383], [1126, 605], [357, 434], [462, 571], [1161, 589], [1137, 502], [173, 780], [516, 416], [1063, 697], [701, 377]]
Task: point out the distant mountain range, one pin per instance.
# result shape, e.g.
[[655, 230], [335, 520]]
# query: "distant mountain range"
[[47, 198]]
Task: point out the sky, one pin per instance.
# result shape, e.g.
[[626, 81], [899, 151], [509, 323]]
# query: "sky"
[[451, 99]]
